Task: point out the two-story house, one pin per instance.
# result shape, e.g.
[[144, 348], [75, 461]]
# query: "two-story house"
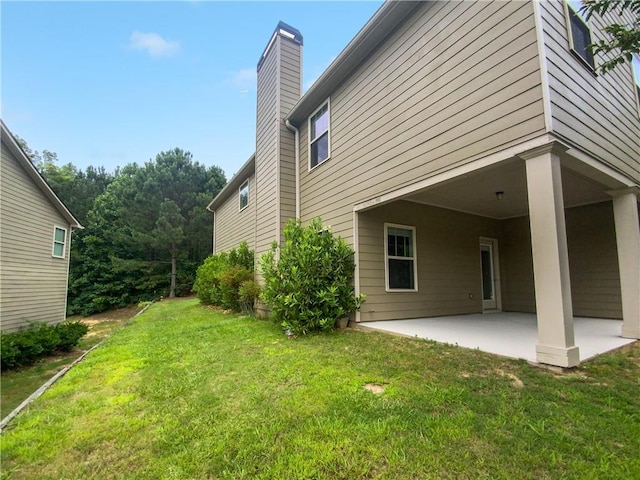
[[472, 156], [35, 241]]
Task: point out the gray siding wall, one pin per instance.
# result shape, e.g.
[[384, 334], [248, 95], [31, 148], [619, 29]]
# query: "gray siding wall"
[[33, 284], [449, 262], [448, 258], [266, 153], [233, 226], [454, 83], [290, 92], [596, 113], [278, 90], [593, 262]]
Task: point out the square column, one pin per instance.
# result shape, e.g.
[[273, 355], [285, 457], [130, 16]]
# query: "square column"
[[625, 213], [556, 344]]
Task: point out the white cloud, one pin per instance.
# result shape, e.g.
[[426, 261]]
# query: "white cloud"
[[244, 79], [153, 44]]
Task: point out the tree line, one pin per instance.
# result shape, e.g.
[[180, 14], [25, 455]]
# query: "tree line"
[[146, 227]]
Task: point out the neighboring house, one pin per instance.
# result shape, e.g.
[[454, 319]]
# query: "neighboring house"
[[35, 238], [471, 156]]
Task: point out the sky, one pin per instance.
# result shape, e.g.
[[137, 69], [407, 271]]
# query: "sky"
[[111, 83]]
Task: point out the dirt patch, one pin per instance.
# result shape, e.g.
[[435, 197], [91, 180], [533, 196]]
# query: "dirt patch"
[[516, 381], [374, 388]]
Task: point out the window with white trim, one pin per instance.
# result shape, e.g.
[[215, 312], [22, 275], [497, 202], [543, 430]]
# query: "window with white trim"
[[319, 149], [579, 32], [400, 257], [59, 242], [635, 66], [244, 195]]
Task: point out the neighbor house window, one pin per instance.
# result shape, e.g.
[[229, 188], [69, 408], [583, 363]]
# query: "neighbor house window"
[[579, 32], [244, 194], [400, 257], [319, 136], [635, 65], [59, 242]]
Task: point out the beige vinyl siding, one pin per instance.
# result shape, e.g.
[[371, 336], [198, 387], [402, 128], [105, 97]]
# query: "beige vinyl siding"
[[516, 266], [33, 284], [448, 261], [597, 114], [233, 226], [266, 151], [440, 92], [593, 261], [290, 91]]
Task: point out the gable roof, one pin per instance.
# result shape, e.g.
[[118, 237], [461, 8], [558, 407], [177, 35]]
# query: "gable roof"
[[10, 142], [377, 29], [245, 171]]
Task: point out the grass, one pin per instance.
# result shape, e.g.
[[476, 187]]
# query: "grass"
[[16, 386], [188, 392]]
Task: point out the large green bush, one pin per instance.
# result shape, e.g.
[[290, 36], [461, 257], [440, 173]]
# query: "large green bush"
[[219, 278], [310, 286], [26, 346]]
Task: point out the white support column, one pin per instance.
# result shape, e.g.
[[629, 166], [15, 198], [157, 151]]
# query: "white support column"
[[556, 344], [625, 212]]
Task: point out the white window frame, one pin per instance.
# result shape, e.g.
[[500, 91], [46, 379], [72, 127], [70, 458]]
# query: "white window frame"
[[327, 102], [387, 257], [55, 242], [567, 7], [635, 79], [246, 182]]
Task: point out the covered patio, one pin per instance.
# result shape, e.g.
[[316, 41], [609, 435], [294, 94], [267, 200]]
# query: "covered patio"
[[509, 334]]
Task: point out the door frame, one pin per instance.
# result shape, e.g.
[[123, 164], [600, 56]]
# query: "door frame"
[[497, 287]]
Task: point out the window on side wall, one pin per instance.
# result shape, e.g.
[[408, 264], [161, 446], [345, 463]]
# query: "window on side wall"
[[635, 65], [400, 258], [244, 195], [579, 33], [319, 149], [59, 242]]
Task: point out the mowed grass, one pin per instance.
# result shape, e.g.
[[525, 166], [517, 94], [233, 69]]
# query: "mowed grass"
[[187, 392], [16, 386]]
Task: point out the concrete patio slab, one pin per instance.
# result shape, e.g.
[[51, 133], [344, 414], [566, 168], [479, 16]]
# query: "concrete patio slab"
[[509, 334]]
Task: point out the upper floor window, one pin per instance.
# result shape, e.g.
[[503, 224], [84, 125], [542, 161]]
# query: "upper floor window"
[[635, 65], [244, 195], [319, 149], [59, 242], [579, 33]]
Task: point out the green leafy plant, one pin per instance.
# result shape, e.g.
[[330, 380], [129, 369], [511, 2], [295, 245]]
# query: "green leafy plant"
[[248, 293], [310, 286], [26, 346], [219, 278]]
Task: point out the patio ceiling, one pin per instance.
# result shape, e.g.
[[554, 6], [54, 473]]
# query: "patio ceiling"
[[476, 192]]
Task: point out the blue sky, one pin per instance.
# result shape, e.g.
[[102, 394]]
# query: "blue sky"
[[111, 83]]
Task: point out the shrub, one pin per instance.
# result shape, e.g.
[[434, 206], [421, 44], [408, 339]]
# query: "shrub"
[[309, 288], [219, 278], [248, 293], [39, 340]]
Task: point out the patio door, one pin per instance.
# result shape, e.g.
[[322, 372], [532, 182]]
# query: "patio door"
[[490, 274]]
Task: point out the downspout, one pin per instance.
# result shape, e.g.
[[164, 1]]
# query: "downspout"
[[297, 156]]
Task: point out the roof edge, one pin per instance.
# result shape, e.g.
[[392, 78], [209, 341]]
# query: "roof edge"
[[383, 21], [236, 180], [10, 141]]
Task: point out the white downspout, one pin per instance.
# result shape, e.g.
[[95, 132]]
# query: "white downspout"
[[297, 155]]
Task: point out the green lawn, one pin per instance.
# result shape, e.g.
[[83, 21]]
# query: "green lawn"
[[16, 386], [187, 392]]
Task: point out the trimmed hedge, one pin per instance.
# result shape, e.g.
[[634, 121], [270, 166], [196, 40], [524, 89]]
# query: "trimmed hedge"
[[24, 347]]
